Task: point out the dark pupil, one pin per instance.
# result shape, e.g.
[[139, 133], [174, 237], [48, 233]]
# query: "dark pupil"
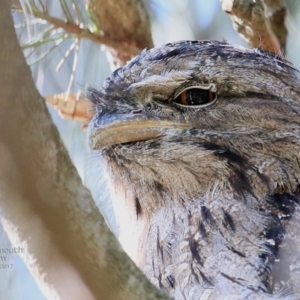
[[197, 97]]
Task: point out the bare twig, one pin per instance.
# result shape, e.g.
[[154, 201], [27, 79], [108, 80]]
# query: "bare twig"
[[122, 26], [78, 32]]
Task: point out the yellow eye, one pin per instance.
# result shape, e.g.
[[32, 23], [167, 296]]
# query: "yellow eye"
[[195, 97]]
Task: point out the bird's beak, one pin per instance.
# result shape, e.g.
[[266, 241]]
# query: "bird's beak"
[[112, 129]]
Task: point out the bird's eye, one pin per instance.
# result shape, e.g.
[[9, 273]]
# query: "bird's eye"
[[196, 97]]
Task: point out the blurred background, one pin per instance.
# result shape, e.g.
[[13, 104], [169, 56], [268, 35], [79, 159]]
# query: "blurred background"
[[69, 65]]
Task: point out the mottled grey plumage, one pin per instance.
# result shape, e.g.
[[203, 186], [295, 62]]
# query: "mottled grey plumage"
[[207, 198]]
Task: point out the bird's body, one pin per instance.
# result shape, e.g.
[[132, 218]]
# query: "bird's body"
[[206, 191]]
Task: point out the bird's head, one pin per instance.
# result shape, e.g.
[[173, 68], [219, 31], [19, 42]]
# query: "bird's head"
[[188, 118]]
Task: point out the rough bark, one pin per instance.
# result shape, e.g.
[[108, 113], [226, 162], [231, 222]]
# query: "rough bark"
[[126, 22], [44, 206], [260, 22]]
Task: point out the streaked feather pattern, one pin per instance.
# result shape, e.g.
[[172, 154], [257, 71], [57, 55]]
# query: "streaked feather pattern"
[[211, 210]]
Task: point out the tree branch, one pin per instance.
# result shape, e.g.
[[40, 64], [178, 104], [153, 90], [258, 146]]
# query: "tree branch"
[[123, 21], [260, 23], [124, 34], [43, 202], [126, 49]]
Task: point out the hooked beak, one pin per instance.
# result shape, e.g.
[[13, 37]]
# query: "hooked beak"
[[111, 129]]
